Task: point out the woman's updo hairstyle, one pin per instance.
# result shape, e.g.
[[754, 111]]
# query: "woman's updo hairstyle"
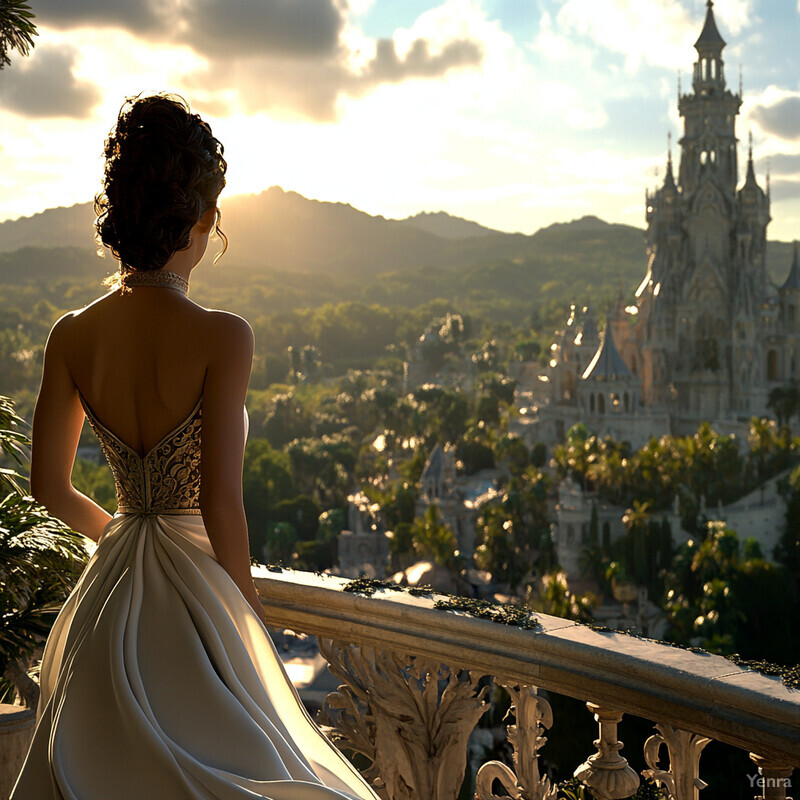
[[164, 169]]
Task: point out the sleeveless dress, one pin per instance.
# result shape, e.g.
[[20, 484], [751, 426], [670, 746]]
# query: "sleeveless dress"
[[158, 680]]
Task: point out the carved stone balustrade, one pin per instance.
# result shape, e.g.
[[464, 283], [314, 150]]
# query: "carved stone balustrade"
[[397, 658]]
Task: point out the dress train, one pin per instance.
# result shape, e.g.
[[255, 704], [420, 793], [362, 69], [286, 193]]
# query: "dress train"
[[160, 682]]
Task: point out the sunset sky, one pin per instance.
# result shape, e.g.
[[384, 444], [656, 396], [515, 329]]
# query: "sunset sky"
[[515, 113]]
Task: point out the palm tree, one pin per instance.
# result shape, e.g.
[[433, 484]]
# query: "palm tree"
[[13, 444], [40, 560], [636, 517], [16, 29]]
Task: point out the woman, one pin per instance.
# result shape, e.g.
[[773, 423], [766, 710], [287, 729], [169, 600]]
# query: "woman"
[[158, 679]]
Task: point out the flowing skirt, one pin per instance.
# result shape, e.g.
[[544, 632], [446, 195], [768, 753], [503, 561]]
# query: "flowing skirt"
[[159, 682]]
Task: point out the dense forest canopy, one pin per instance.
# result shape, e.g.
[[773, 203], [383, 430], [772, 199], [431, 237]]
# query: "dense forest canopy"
[[328, 384]]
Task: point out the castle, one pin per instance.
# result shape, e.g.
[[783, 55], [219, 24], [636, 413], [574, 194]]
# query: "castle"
[[709, 335]]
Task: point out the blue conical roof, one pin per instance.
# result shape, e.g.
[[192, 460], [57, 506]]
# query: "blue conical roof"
[[607, 364]]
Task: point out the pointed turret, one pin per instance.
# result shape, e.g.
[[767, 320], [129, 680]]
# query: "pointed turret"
[[607, 364], [669, 179], [752, 199], [793, 281], [750, 181], [708, 74], [708, 147], [709, 37]]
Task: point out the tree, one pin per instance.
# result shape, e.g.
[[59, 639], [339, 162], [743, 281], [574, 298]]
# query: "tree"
[[266, 480], [784, 402], [13, 443], [280, 541], [16, 29], [555, 598], [434, 539], [40, 561], [730, 601]]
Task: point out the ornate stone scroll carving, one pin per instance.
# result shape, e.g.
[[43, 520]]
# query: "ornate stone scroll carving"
[[410, 716], [607, 773], [682, 779], [774, 778], [533, 714]]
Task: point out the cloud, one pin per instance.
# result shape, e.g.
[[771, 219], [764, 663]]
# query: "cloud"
[[734, 16], [418, 62], [294, 28], [786, 164], [780, 118], [291, 57], [783, 189], [137, 16], [657, 32], [312, 86], [44, 86]]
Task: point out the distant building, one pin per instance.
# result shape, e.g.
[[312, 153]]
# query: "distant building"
[[458, 499], [710, 335], [364, 547], [759, 515]]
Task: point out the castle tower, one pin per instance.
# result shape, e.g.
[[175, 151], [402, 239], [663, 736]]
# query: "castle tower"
[[706, 306], [708, 146]]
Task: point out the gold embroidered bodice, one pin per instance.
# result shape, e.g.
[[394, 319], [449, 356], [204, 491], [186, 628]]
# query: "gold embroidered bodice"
[[166, 479]]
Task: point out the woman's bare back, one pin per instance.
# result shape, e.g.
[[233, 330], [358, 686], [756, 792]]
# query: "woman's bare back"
[[139, 359]]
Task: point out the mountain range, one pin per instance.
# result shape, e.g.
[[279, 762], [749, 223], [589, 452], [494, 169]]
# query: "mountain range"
[[282, 232]]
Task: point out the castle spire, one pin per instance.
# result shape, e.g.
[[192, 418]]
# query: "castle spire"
[[708, 69], [793, 281], [709, 38], [669, 179], [750, 180], [768, 172]]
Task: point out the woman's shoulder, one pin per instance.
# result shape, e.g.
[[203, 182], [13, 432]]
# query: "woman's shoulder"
[[63, 327], [228, 330], [228, 324], [70, 319]]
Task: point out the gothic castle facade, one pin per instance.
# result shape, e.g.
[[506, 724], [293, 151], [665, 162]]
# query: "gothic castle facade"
[[710, 334]]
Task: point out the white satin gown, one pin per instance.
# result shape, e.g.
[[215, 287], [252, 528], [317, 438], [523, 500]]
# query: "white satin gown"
[[158, 681]]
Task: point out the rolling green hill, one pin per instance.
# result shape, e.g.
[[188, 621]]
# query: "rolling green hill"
[[278, 238]]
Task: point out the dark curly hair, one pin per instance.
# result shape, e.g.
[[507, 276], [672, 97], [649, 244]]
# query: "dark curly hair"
[[164, 169]]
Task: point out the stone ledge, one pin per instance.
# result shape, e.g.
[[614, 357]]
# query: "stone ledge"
[[699, 692]]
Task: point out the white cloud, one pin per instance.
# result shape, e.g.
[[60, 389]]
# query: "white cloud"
[[359, 7], [734, 16], [774, 112], [656, 32], [583, 119]]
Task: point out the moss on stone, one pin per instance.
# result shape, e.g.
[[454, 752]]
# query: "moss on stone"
[[518, 616], [790, 676]]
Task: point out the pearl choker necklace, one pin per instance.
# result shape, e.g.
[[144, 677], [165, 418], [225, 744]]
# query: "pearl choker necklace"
[[156, 277]]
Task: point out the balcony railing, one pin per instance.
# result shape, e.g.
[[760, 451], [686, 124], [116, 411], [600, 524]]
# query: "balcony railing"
[[412, 691]]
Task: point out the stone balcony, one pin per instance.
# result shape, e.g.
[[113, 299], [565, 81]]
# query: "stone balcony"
[[414, 686]]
